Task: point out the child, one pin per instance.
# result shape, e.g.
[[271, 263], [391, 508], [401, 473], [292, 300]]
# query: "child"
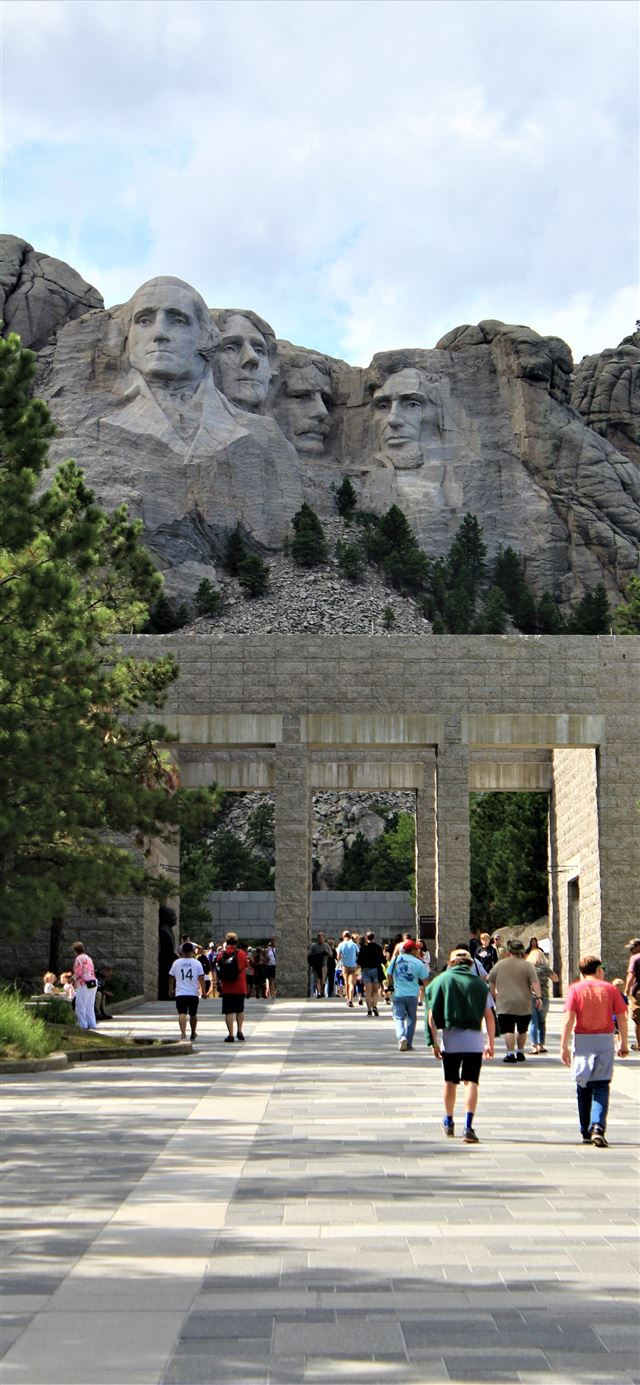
[[68, 988], [49, 983]]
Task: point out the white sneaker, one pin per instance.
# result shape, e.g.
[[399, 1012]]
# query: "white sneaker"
[[403, 1045]]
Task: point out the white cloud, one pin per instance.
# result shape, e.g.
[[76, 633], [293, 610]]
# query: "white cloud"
[[365, 174]]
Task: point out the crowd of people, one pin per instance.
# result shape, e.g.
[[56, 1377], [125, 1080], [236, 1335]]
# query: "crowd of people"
[[488, 989]]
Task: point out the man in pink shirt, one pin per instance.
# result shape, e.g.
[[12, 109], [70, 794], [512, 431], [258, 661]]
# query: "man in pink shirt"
[[590, 1006]]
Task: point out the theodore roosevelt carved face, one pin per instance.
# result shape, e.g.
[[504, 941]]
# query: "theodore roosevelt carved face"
[[302, 407]]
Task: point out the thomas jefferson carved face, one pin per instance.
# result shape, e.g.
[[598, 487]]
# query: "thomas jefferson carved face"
[[243, 363], [167, 333], [302, 410], [399, 409]]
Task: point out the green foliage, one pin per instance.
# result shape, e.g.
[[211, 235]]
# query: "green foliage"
[[235, 551], [21, 1029], [165, 617], [208, 599], [346, 499], [79, 770], [593, 614], [465, 562], [492, 618], [391, 545], [351, 560], [253, 575], [308, 546], [548, 620], [508, 858], [386, 864], [626, 618], [54, 1009], [388, 617], [261, 828]]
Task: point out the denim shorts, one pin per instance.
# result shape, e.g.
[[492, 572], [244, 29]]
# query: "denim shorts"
[[370, 976]]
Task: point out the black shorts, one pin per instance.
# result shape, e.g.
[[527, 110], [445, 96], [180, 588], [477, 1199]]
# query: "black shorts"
[[187, 1005], [232, 1004], [270, 973], [470, 1063], [509, 1023]]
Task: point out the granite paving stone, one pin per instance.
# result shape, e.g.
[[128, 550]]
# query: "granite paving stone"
[[289, 1213]]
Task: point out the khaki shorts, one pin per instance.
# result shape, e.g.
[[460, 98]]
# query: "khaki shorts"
[[349, 971]]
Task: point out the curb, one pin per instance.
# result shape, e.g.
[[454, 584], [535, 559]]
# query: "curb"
[[56, 1061]]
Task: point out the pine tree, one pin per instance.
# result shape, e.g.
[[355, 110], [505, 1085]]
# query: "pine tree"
[[626, 618], [466, 557], [350, 560], [308, 546], [593, 614], [492, 619], [165, 617], [235, 551], [75, 766], [253, 575], [346, 499], [548, 619], [208, 599]]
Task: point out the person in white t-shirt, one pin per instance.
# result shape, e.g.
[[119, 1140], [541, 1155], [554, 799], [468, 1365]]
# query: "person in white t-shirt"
[[186, 983]]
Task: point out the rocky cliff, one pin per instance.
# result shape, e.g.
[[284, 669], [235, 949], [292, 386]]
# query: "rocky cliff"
[[200, 419]]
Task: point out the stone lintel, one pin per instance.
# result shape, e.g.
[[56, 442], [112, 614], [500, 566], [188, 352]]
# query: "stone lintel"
[[510, 778], [532, 729], [365, 774], [239, 775], [225, 728], [372, 728]]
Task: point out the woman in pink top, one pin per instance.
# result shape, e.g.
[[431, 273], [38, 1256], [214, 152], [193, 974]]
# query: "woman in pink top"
[[84, 980]]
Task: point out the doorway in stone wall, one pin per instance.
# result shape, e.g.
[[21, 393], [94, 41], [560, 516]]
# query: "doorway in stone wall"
[[509, 863], [573, 927], [363, 863]]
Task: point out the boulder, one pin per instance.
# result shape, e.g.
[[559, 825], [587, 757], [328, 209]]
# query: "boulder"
[[38, 294]]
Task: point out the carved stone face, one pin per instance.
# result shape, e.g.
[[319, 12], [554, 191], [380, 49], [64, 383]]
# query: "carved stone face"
[[399, 408], [302, 409], [165, 336], [243, 363]]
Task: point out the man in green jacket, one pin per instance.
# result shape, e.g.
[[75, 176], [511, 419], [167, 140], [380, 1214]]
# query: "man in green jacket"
[[459, 1005]]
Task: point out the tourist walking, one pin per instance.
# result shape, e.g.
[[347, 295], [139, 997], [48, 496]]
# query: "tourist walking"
[[318, 959], [371, 961], [407, 972], [231, 968], [347, 953], [462, 1007], [186, 983], [545, 974], [84, 980], [591, 1005], [487, 954], [270, 970], [513, 981], [632, 986]]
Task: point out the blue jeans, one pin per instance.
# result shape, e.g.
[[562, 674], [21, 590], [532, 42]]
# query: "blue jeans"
[[538, 1026], [593, 1105], [405, 1013]]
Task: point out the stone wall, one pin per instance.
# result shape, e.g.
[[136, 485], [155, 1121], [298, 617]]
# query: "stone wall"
[[575, 861], [251, 913]]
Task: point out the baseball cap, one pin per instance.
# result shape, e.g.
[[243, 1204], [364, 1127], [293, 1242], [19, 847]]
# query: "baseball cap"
[[410, 945]]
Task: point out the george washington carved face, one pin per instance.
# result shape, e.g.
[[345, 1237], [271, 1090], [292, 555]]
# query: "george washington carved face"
[[169, 332]]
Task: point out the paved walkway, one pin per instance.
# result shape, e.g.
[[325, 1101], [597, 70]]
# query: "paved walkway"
[[288, 1211]]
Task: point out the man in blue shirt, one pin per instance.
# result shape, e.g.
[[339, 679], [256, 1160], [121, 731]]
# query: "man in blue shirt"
[[408, 972], [348, 956]]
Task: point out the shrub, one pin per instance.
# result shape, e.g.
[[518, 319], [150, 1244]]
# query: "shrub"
[[235, 551], [21, 1029], [54, 1009], [308, 546], [388, 617], [346, 499], [164, 617]]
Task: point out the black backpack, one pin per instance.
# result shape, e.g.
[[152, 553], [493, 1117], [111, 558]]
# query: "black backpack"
[[227, 967]]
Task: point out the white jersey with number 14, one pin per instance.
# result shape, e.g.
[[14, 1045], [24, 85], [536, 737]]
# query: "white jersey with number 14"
[[186, 973]]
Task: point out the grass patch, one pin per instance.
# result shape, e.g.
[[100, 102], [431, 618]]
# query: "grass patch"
[[22, 1033]]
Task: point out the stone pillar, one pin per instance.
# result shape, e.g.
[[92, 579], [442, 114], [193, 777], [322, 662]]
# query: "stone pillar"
[[452, 823], [426, 856], [619, 833], [293, 861]]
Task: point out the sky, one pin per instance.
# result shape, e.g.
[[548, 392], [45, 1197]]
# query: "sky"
[[365, 174]]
